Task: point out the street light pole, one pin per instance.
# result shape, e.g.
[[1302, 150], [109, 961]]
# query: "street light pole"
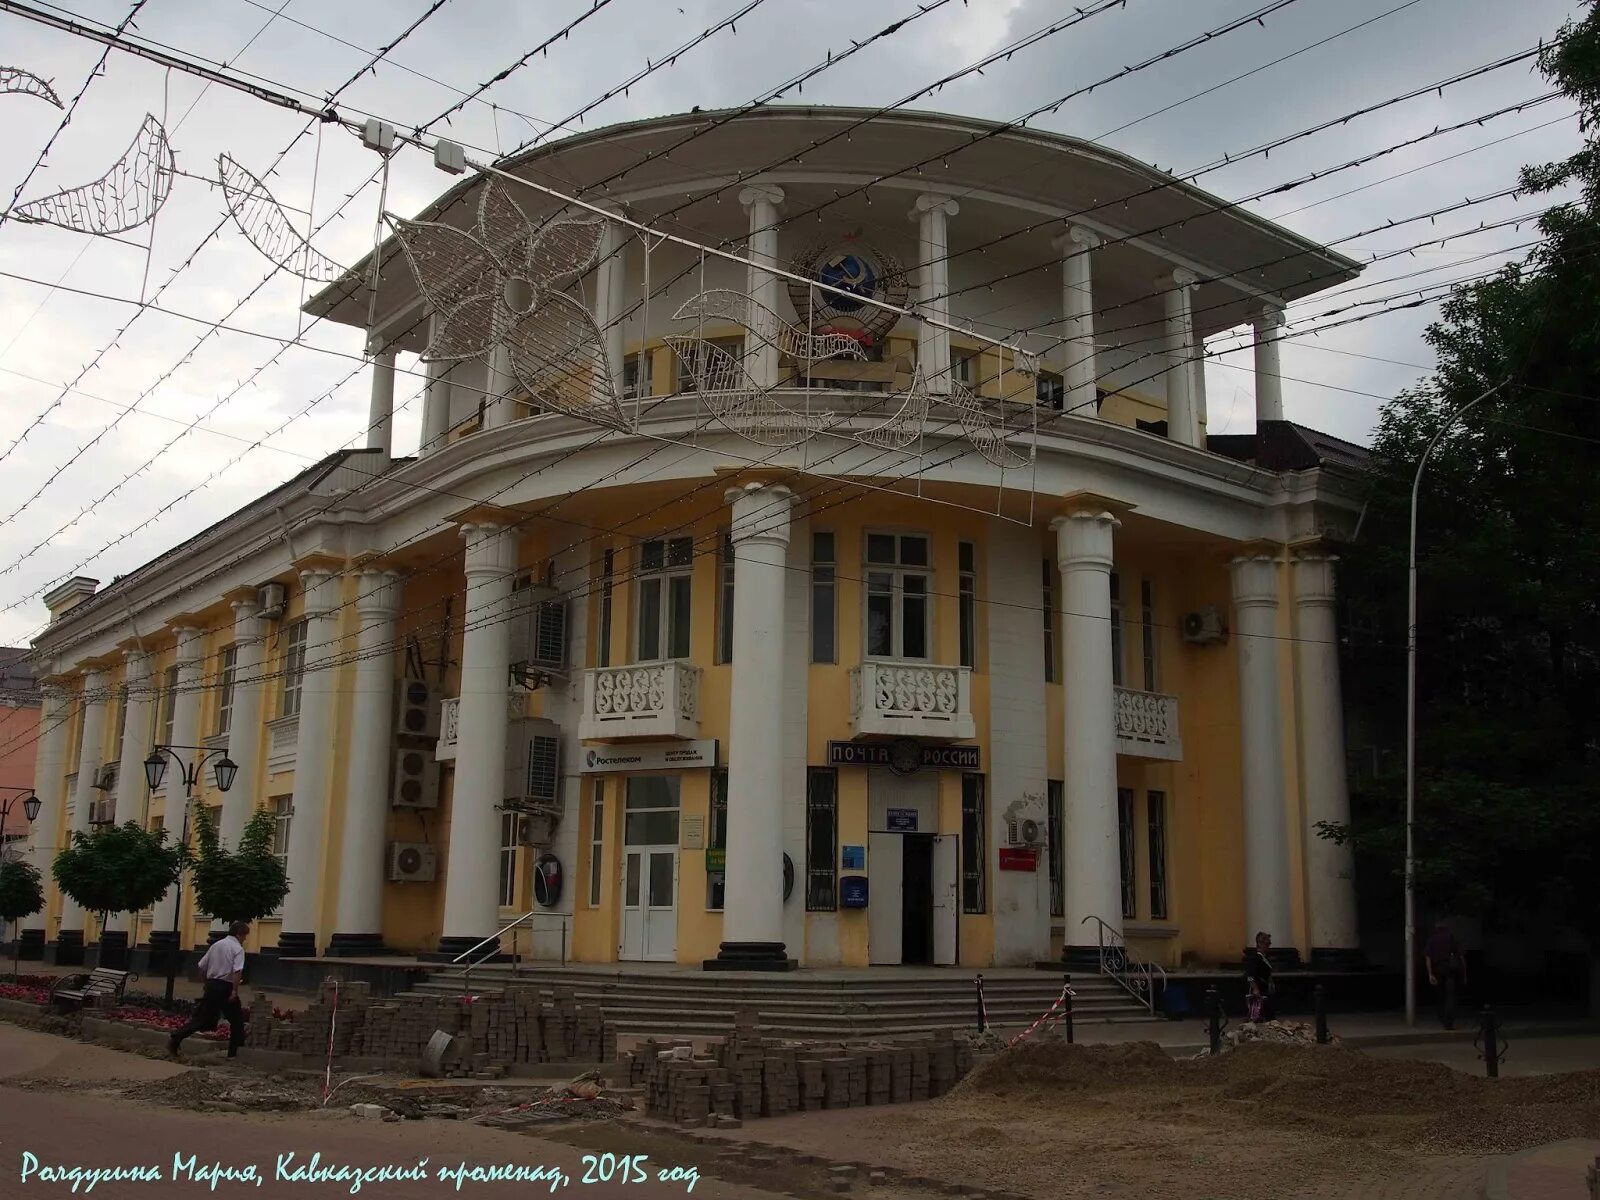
[[30, 809], [1411, 707]]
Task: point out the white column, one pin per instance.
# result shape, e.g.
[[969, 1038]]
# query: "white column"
[[499, 389], [358, 921], [380, 409], [1183, 416], [96, 687], [1079, 366], [1329, 867], [185, 732], [1266, 822], [244, 726], [471, 882], [302, 907], [752, 922], [610, 298], [1269, 372], [138, 711], [932, 214], [45, 838], [761, 355], [1090, 859]]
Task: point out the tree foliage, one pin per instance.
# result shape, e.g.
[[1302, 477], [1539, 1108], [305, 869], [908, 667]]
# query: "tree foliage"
[[118, 868], [21, 892], [1508, 809], [244, 884]]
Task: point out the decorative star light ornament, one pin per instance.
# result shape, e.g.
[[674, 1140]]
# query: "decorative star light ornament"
[[498, 293], [15, 79], [262, 220], [125, 197]]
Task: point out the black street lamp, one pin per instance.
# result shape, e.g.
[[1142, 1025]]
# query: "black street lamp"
[[30, 809], [155, 769]]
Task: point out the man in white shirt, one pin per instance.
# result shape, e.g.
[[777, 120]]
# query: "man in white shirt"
[[222, 966]]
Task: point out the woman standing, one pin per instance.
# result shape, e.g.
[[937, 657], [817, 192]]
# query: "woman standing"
[[1258, 980]]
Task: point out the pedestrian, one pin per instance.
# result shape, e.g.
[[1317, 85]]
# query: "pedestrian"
[[221, 967], [1447, 971], [1258, 980]]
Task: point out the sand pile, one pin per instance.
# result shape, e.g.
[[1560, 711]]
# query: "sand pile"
[[1047, 1064]]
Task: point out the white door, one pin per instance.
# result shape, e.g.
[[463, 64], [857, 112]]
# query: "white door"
[[650, 904], [885, 870], [946, 898]]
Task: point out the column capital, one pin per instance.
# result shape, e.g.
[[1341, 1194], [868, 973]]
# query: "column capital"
[[491, 548], [1255, 579], [1076, 239], [136, 670], [1314, 582], [321, 590], [760, 513], [54, 691], [191, 643], [760, 193], [929, 202], [1268, 317], [247, 620], [1084, 538], [377, 592], [1177, 279]]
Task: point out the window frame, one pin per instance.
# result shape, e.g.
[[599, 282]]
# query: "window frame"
[[825, 594], [1128, 853], [1050, 390], [664, 578], [974, 855], [717, 836], [292, 693], [899, 572], [608, 583], [822, 881], [1147, 636], [633, 391], [509, 851], [1117, 648], [597, 840], [282, 820], [226, 677], [1159, 888], [725, 586], [169, 704], [1052, 659], [1055, 816], [967, 604]]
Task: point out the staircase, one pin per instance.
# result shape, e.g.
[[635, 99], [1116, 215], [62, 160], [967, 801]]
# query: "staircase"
[[825, 1004]]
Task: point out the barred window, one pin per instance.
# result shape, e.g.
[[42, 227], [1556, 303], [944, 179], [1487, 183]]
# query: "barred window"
[[974, 880], [1051, 674], [968, 602], [717, 838], [1127, 853], [1116, 629], [725, 600], [608, 566], [1055, 815], [1147, 633], [1156, 818], [822, 839]]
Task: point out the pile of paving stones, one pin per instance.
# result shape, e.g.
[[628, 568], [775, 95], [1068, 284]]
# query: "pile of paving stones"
[[487, 1033], [751, 1076], [1278, 1033]]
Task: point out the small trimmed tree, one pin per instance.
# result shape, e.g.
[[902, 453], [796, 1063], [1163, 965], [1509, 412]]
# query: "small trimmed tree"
[[118, 868], [21, 895], [243, 884]]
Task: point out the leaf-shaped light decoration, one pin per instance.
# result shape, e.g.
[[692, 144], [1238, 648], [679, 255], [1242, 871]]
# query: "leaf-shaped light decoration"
[[15, 79], [262, 220], [905, 424], [985, 427], [721, 380], [125, 197], [725, 304]]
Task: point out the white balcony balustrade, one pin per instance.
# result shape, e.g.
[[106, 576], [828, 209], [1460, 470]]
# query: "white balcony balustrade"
[[647, 700], [444, 750], [890, 699], [1147, 725]]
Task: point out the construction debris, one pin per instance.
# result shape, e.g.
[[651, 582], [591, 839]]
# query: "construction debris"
[[1278, 1033]]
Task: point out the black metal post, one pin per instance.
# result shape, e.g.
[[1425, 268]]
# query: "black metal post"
[[1214, 1018], [175, 951], [1066, 1004], [1319, 998], [1489, 1036], [983, 1024]]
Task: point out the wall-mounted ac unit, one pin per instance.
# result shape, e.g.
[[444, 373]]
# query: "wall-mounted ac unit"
[[538, 634], [274, 601], [1204, 627], [538, 827], [416, 709], [1024, 831], [416, 779], [412, 862], [106, 779], [533, 764]]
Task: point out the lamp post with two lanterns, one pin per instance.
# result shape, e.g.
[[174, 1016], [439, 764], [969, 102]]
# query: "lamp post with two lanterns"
[[155, 769], [30, 809]]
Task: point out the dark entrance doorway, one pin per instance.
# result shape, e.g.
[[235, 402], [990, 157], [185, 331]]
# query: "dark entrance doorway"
[[916, 891]]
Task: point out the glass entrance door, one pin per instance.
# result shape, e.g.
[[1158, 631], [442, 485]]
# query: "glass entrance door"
[[650, 870]]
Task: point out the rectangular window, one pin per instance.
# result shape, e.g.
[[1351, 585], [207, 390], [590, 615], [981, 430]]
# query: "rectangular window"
[[725, 600], [1116, 630], [1156, 817], [717, 838], [1056, 819], [608, 568], [636, 383], [651, 813], [715, 366], [665, 567], [169, 703], [968, 603], [1127, 853], [294, 669], [973, 876], [1051, 675], [508, 860], [898, 587], [119, 722], [282, 815], [597, 833], [1147, 632], [822, 839], [824, 599], [230, 667], [1049, 390], [963, 365]]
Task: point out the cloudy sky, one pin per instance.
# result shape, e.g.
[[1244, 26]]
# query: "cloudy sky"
[[163, 372]]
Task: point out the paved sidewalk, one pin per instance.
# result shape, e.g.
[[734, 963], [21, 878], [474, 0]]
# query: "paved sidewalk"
[[1553, 1172]]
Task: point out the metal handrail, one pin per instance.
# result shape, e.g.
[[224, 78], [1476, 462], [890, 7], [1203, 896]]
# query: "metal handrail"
[[1136, 976], [493, 940]]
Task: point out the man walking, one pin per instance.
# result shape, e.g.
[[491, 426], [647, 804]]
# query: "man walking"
[[221, 967], [1447, 971]]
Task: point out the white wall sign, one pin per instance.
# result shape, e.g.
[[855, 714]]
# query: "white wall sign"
[[650, 756]]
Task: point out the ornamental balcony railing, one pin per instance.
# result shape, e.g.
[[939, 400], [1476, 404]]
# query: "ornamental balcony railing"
[[444, 749], [646, 700], [1147, 725], [898, 699]]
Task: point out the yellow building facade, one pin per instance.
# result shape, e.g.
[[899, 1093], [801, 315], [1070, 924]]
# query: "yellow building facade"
[[958, 640]]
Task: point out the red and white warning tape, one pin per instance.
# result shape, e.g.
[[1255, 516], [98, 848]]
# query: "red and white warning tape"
[[1049, 1013]]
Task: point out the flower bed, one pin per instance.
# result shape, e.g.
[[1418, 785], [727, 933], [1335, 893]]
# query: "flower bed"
[[27, 992], [167, 1022]]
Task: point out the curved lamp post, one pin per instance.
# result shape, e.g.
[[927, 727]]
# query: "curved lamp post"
[[30, 809], [155, 769], [1411, 707]]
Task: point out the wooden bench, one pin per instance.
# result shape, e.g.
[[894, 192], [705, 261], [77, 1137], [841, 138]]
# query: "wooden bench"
[[102, 986]]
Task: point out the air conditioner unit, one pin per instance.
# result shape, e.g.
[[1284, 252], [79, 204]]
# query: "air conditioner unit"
[[538, 634], [533, 764], [416, 779], [1024, 831], [274, 601], [106, 780], [1204, 627], [538, 827], [417, 709], [412, 862]]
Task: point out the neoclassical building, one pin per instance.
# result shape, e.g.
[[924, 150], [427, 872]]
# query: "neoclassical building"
[[851, 580]]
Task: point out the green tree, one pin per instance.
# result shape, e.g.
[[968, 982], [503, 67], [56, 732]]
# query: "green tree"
[[1508, 808], [21, 895], [244, 884], [118, 868]]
